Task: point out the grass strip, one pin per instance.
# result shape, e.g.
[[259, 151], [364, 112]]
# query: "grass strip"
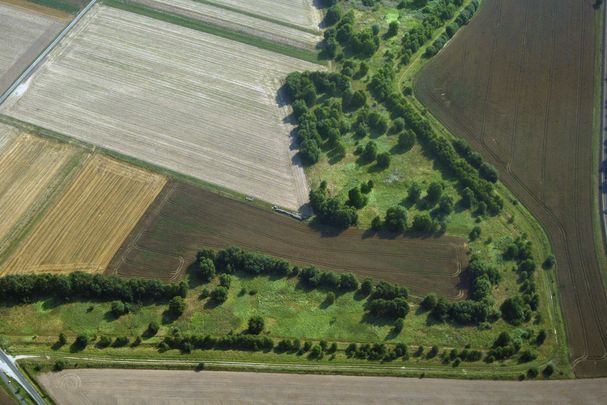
[[69, 7], [218, 31]]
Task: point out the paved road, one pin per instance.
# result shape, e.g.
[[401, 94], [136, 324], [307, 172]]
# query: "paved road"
[[8, 367]]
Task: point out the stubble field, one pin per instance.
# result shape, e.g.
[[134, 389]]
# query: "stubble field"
[[236, 21], [31, 170], [518, 84], [187, 387], [24, 33], [185, 219], [83, 230], [185, 100], [301, 13]]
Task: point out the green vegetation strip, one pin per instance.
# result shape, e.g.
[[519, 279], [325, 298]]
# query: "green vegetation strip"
[[218, 31], [67, 6]]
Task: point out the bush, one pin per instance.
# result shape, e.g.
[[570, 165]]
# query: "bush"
[[475, 233], [533, 372], [396, 219], [176, 306], [366, 287], [434, 192], [399, 324], [383, 160], [330, 300], [219, 295], [59, 365], [225, 280], [121, 341], [207, 269], [256, 325], [81, 341], [61, 340], [548, 371], [104, 341], [429, 302], [119, 308]]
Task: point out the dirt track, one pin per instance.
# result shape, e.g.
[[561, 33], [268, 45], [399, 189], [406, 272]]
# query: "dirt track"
[[110, 386], [185, 219], [518, 83]]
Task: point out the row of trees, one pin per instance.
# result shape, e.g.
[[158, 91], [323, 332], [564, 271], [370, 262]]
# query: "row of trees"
[[462, 19], [83, 286]]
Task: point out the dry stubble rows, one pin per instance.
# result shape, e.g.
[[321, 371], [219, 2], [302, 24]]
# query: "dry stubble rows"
[[83, 230], [189, 101]]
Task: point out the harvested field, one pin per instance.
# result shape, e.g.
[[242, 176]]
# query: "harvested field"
[[25, 32], [90, 221], [236, 22], [185, 219], [192, 102], [81, 387], [31, 170], [518, 83], [302, 13]]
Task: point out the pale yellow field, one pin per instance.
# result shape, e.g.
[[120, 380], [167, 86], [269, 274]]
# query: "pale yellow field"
[[31, 169], [86, 226]]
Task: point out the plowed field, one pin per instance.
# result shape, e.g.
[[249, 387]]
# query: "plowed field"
[[192, 102], [185, 219], [518, 83], [90, 221]]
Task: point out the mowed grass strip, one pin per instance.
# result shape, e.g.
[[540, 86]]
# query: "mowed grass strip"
[[191, 218], [31, 170], [90, 222]]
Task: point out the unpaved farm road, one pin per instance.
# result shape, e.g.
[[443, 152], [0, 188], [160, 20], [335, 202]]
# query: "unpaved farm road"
[[111, 386]]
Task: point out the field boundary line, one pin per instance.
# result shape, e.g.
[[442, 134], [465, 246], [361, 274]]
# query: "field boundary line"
[[32, 67]]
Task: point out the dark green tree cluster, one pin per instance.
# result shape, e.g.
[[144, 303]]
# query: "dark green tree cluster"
[[518, 309], [84, 286], [377, 351], [247, 342], [363, 43], [485, 170], [330, 210], [462, 19], [388, 300]]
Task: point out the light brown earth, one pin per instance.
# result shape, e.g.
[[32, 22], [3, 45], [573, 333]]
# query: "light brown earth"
[[90, 221], [24, 32], [31, 170], [235, 21], [298, 12], [192, 102], [111, 386]]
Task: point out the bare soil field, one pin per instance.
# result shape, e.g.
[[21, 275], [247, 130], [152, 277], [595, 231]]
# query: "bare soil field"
[[192, 102], [236, 22], [83, 230], [302, 13], [518, 83], [185, 219], [25, 32], [90, 386], [31, 170]]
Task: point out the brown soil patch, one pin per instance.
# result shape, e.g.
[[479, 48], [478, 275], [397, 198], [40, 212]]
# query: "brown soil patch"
[[518, 83], [185, 219]]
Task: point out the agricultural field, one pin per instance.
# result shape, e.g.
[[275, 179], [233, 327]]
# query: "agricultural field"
[[26, 30], [186, 218], [31, 170], [208, 108], [77, 387], [90, 221], [518, 84], [300, 13], [236, 21]]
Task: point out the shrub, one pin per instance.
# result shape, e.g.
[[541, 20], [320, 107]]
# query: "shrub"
[[121, 341], [396, 219], [119, 308], [383, 160], [59, 365], [207, 269], [176, 306], [548, 371], [81, 341], [533, 372], [153, 328], [104, 341], [255, 325], [429, 302], [219, 295], [330, 300], [225, 280]]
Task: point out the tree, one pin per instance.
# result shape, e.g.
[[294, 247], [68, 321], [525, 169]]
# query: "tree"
[[406, 140], [434, 192], [445, 205], [366, 188], [376, 223], [256, 325], [549, 262], [415, 191], [62, 340], [475, 233], [369, 152], [468, 198], [330, 300], [225, 280], [119, 308], [219, 295], [383, 160], [429, 301], [396, 219], [423, 223], [514, 310], [176, 306], [533, 372], [366, 287], [356, 198], [333, 15], [541, 337], [59, 365], [548, 371], [207, 269], [348, 282], [153, 328], [81, 341], [392, 29], [399, 324]]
